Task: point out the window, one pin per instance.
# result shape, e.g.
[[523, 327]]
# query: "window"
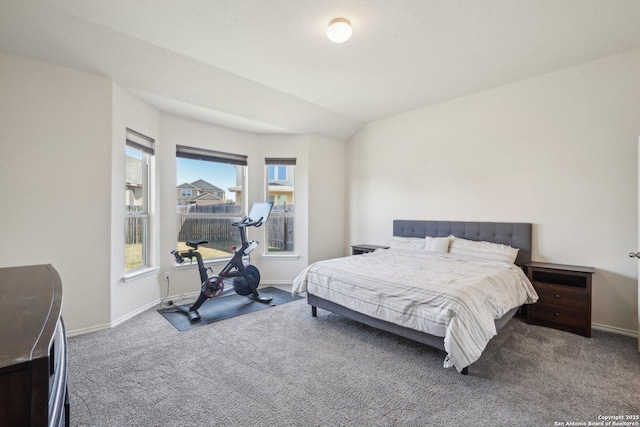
[[280, 228], [138, 154], [277, 172], [210, 194]]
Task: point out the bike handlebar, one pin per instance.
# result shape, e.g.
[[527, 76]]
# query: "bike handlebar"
[[178, 257], [247, 222]]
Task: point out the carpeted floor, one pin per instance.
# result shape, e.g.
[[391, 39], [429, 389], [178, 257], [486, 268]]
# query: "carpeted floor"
[[281, 367]]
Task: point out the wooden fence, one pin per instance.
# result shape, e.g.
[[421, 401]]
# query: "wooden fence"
[[210, 229], [133, 230], [280, 227], [193, 226]]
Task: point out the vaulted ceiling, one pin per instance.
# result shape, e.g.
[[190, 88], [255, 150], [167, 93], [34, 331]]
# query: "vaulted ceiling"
[[266, 66]]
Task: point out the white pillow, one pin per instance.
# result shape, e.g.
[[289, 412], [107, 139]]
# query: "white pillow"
[[437, 244], [414, 243], [483, 250]]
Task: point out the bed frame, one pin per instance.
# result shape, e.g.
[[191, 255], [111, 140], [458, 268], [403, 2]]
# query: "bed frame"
[[517, 235]]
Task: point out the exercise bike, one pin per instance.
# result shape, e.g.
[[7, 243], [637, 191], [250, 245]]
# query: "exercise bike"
[[244, 278]]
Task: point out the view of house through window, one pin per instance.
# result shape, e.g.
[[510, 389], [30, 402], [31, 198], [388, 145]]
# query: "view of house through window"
[[280, 180], [138, 154], [209, 197]]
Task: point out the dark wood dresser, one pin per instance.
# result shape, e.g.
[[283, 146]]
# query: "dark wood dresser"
[[564, 297], [33, 354]]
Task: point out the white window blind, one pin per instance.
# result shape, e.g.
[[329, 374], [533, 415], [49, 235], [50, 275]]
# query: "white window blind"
[[210, 155], [140, 141]]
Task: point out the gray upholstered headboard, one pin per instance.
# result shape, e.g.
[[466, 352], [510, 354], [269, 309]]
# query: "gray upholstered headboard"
[[515, 234]]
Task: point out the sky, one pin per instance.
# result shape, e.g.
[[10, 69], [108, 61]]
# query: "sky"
[[222, 175], [131, 152]]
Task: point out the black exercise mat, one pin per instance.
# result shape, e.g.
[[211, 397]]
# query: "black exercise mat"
[[225, 307]]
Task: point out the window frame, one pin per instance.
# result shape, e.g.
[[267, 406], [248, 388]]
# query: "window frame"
[[195, 153], [277, 172], [146, 146], [276, 164]]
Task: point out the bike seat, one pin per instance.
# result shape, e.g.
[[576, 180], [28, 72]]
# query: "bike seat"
[[194, 243]]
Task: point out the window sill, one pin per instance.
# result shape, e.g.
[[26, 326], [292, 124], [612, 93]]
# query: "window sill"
[[280, 256], [138, 273]]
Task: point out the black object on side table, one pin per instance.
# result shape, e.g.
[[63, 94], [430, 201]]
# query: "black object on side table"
[[564, 297], [365, 249]]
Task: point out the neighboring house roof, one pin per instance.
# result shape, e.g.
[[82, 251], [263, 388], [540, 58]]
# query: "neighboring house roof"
[[205, 186], [187, 185], [205, 191], [205, 196]]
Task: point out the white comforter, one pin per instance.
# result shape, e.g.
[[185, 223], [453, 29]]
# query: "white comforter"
[[441, 294]]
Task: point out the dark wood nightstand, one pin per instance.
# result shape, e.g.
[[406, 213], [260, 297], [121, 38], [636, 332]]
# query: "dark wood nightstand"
[[565, 297], [364, 249]]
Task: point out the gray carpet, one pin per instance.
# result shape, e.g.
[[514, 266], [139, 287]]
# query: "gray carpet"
[[281, 367]]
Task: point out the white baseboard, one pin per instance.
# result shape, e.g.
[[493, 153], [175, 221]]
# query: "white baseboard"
[[264, 283], [615, 330], [88, 330], [175, 298], [113, 324], [91, 329], [134, 313]]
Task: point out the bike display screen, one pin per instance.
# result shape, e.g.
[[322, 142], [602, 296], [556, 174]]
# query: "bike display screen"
[[260, 210]]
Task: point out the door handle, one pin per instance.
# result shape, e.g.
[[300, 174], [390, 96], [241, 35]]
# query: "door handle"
[[634, 254]]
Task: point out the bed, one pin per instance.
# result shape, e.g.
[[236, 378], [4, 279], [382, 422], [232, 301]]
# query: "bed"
[[445, 298]]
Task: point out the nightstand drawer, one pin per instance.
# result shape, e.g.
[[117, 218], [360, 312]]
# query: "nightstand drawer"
[[365, 249], [562, 295], [558, 314]]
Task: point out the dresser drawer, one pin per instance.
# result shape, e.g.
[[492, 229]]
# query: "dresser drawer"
[[559, 314], [566, 296]]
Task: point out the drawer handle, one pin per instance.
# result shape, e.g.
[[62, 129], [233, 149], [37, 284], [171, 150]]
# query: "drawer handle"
[[557, 314], [557, 296]]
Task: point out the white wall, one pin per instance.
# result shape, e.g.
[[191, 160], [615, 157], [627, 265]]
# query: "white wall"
[[282, 269], [327, 199], [559, 151], [174, 131], [311, 188], [55, 180], [62, 139]]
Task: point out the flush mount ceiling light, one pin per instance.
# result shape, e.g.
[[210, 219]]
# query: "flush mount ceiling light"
[[339, 30]]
